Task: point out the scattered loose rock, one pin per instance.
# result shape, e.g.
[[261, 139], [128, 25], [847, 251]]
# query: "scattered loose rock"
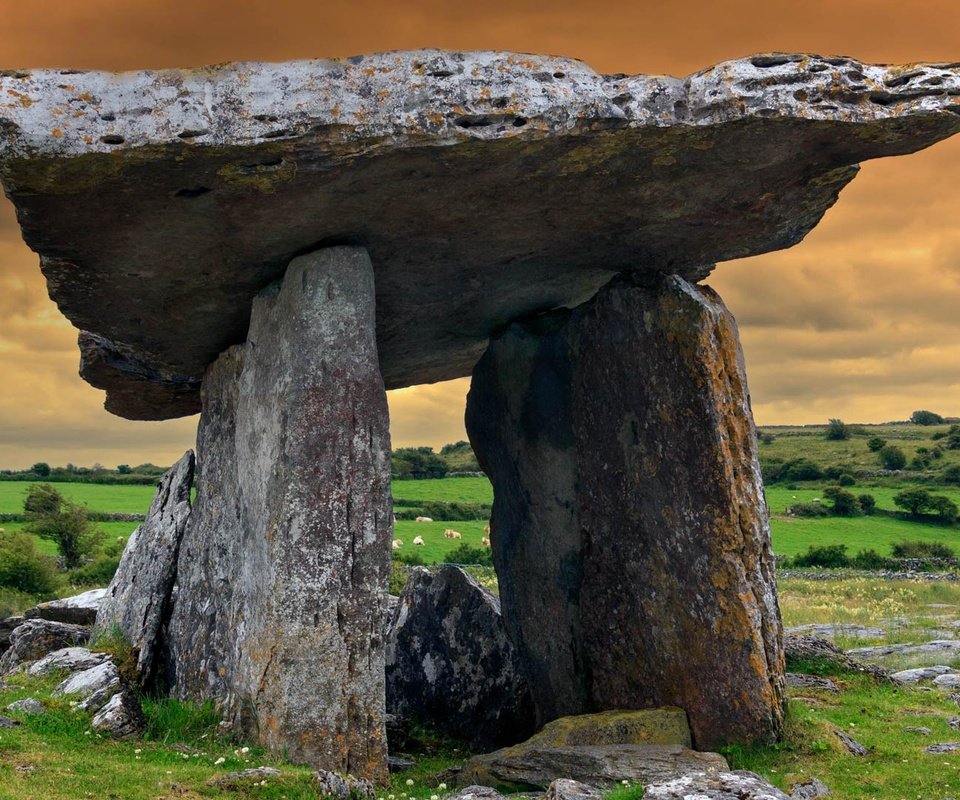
[[400, 763], [81, 609], [121, 717], [93, 687], [949, 680], [36, 638], [8, 722], [954, 722], [245, 777], [72, 659], [7, 626], [852, 745], [879, 651], [476, 793], [566, 789], [450, 662], [720, 786], [343, 787], [919, 729], [798, 680], [28, 705], [943, 747], [809, 790]]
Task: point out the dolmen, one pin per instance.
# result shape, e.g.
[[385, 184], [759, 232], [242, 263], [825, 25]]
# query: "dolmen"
[[276, 245]]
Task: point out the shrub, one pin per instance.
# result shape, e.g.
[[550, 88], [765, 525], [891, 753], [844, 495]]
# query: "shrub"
[[24, 569], [417, 463], [41, 469], [944, 508], [767, 438], [914, 501], [952, 474], [845, 504], [98, 572], [809, 510], [53, 517], [410, 559], [831, 556], [469, 554], [868, 503], [876, 444], [952, 439], [846, 479], [837, 430], [460, 457], [871, 559], [801, 469], [914, 549], [925, 418], [892, 457]]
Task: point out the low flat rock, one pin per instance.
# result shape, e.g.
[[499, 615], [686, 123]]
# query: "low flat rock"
[[919, 674], [566, 789], [719, 786], [450, 663], [244, 778], [831, 630], [942, 747], [36, 638], [72, 659], [881, 651], [851, 745], [809, 790], [7, 627], [182, 193], [335, 786], [797, 680], [28, 705], [599, 765], [81, 609], [138, 598], [949, 680], [807, 649]]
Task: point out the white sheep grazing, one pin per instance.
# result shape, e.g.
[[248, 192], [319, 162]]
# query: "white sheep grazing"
[[424, 519], [449, 533], [418, 541], [485, 541], [397, 544], [486, 530]]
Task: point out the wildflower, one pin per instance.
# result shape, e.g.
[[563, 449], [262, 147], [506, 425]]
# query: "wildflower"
[[244, 749], [219, 760], [138, 750], [625, 782], [434, 797], [409, 781], [442, 787]]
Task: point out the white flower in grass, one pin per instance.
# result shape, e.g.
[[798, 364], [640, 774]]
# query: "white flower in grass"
[[219, 761], [434, 797], [244, 749], [409, 781], [442, 787], [625, 782]]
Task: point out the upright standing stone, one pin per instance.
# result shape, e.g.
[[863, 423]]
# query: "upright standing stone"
[[629, 527], [137, 600], [283, 571]]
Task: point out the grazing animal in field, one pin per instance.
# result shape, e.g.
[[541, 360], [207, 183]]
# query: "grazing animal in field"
[[486, 530], [449, 533], [424, 519], [418, 541], [485, 541], [397, 544]]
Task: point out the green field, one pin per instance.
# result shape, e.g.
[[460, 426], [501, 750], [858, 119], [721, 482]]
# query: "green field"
[[96, 496]]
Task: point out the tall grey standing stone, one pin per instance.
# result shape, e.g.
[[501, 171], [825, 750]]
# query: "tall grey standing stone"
[[138, 598], [629, 527], [279, 611]]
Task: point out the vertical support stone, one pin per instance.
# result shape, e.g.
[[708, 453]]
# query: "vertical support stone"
[[629, 528], [283, 571]]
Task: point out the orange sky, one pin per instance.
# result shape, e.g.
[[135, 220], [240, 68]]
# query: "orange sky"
[[861, 321]]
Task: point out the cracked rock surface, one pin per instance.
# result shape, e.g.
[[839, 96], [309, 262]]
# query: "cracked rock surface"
[[485, 185]]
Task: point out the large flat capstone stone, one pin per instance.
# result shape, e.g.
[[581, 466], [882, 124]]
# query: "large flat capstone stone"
[[629, 528], [282, 572], [486, 186]]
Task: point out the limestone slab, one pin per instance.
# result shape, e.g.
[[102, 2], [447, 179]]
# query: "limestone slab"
[[629, 529], [282, 573], [486, 186]]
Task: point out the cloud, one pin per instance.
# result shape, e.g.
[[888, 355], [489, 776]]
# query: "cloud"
[[859, 321]]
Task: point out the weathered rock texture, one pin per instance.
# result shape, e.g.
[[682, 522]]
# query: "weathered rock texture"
[[450, 663], [629, 528], [81, 609], [138, 598], [283, 568], [597, 765], [183, 193], [36, 638], [739, 785]]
